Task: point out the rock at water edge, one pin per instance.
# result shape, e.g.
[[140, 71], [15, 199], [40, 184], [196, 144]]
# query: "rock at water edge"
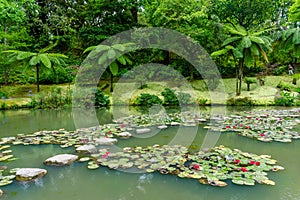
[[61, 160], [29, 174]]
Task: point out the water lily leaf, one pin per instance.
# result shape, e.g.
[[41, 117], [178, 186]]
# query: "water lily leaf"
[[4, 147], [5, 182], [237, 181], [93, 166], [149, 170], [84, 159], [268, 182], [4, 158]]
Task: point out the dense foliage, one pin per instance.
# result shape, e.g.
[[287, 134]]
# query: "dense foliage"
[[253, 36]]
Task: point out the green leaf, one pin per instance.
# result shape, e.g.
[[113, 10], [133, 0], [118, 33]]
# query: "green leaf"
[[101, 48], [237, 30], [114, 68], [102, 58], [24, 55], [34, 60], [296, 37], [254, 50], [128, 60], [45, 60], [91, 48], [237, 53], [56, 55], [256, 39], [230, 40], [111, 53], [246, 42], [122, 60], [220, 52], [119, 47], [249, 60]]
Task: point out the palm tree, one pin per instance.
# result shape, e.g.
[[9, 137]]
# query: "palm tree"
[[109, 54], [245, 47], [38, 59]]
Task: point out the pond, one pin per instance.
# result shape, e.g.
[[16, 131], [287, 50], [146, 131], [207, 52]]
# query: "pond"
[[78, 182]]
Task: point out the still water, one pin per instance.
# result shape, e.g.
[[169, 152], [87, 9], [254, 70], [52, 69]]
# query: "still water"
[[76, 182]]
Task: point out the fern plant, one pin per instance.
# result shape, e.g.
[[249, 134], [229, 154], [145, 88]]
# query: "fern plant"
[[38, 59]]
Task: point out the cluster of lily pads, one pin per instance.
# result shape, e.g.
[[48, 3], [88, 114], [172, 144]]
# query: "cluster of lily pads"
[[263, 125], [5, 156], [271, 126], [66, 138], [213, 167]]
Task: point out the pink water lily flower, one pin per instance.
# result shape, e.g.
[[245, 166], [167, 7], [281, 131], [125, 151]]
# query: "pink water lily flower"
[[244, 169], [237, 161]]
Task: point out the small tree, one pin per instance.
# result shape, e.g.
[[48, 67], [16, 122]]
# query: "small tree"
[[249, 81], [245, 47], [109, 53], [38, 59]]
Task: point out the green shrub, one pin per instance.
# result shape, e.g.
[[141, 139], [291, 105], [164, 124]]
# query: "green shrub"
[[61, 75], [240, 101], [3, 95], [285, 99], [170, 98], [249, 81], [148, 100], [285, 86], [280, 70], [55, 98], [202, 102], [3, 106], [101, 100]]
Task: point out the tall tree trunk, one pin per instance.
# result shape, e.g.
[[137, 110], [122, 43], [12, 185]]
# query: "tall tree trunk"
[[37, 78], [111, 82], [191, 68], [236, 80], [240, 77]]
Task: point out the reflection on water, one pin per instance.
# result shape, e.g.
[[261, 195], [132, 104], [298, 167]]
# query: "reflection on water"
[[76, 182]]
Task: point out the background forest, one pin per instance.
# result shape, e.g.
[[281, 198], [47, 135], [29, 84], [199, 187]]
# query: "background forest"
[[47, 39]]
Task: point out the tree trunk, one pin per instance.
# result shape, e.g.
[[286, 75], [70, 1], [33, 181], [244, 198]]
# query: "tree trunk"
[[236, 81], [239, 77], [111, 83], [37, 78], [248, 86], [294, 81], [191, 73]]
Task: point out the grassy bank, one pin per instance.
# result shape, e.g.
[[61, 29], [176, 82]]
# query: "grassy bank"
[[127, 92]]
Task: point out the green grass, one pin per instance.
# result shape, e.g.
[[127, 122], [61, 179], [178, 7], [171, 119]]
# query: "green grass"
[[126, 92]]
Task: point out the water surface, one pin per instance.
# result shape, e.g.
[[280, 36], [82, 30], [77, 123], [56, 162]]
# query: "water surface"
[[76, 182]]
